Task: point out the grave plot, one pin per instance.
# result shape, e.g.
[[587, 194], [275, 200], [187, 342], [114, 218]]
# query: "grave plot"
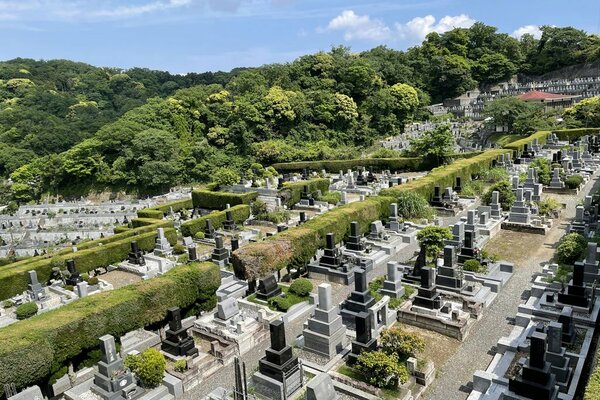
[[449, 202]]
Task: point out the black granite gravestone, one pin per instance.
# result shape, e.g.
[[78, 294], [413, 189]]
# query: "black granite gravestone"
[[209, 230], [332, 256], [135, 255], [575, 294], [177, 341], [427, 295], [364, 339], [267, 288], [354, 242], [74, 277], [229, 224]]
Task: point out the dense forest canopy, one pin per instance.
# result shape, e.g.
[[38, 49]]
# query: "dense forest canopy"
[[70, 127]]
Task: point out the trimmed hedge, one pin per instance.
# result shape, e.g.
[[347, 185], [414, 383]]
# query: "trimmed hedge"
[[297, 245], [571, 134], [518, 145], [30, 349], [292, 191], [219, 200], [393, 164], [158, 212], [445, 176], [240, 213], [14, 280]]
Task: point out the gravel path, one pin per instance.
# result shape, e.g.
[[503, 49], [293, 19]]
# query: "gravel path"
[[454, 378]]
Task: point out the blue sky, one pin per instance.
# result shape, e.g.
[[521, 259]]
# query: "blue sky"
[[201, 35]]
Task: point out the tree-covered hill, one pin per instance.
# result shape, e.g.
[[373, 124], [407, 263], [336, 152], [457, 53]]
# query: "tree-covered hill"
[[70, 127]]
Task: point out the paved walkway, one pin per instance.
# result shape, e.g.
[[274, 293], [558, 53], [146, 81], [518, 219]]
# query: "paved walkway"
[[454, 379]]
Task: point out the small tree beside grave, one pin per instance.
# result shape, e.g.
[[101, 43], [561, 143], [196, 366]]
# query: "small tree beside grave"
[[507, 197], [432, 237], [301, 287], [572, 248], [381, 370], [473, 266], [402, 344], [149, 366], [26, 310]]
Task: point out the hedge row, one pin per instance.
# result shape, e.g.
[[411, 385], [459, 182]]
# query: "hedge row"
[[240, 213], [518, 145], [219, 200], [158, 212], [296, 246], [30, 349], [445, 176], [380, 164], [14, 280], [572, 134], [292, 191], [94, 243]]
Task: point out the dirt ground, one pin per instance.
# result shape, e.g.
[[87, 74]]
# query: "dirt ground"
[[438, 348], [120, 278], [517, 247]]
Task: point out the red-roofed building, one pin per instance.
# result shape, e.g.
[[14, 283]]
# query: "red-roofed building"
[[550, 100]]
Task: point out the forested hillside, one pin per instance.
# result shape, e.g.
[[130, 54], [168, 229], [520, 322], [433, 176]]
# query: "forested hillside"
[[68, 127]]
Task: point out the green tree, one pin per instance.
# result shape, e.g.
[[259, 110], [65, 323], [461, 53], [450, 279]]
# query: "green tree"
[[395, 341], [149, 366], [380, 369], [571, 248], [434, 146], [492, 68], [432, 239], [586, 113], [225, 177], [506, 195]]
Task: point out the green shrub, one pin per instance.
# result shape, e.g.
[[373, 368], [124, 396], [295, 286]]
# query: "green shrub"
[[411, 205], [494, 175], [548, 206], [7, 304], [380, 369], [473, 266], [180, 366], [47, 341], [199, 235], [179, 248], [473, 188], [26, 310], [432, 239], [543, 170], [506, 195], [571, 248], [149, 366], [395, 341], [92, 281], [239, 213], [302, 287], [573, 181], [219, 200], [331, 197], [280, 303]]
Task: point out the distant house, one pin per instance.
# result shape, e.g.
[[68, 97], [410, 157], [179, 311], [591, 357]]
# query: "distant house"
[[550, 100]]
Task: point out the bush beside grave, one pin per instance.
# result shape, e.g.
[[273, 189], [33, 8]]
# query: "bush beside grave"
[[381, 370], [14, 280], [301, 287], [239, 213], [296, 246], [573, 181], [149, 366], [292, 191], [44, 343], [572, 247], [26, 310], [219, 200]]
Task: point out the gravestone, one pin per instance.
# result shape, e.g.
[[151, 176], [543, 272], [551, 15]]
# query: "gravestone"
[[376, 231], [135, 255], [220, 254], [74, 277], [457, 184], [162, 247], [112, 381], [436, 200], [568, 326], [392, 285], [360, 299], [365, 341], [519, 212], [394, 223], [227, 308], [192, 253], [324, 332], [177, 342], [267, 288], [556, 353], [535, 376], [496, 207], [556, 182], [355, 242], [209, 230], [332, 256], [448, 275], [321, 388], [427, 295], [575, 294], [229, 224], [36, 291], [82, 289], [279, 374]]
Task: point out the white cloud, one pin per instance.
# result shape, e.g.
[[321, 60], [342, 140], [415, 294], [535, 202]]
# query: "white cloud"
[[419, 27], [129, 11], [359, 26], [533, 30]]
